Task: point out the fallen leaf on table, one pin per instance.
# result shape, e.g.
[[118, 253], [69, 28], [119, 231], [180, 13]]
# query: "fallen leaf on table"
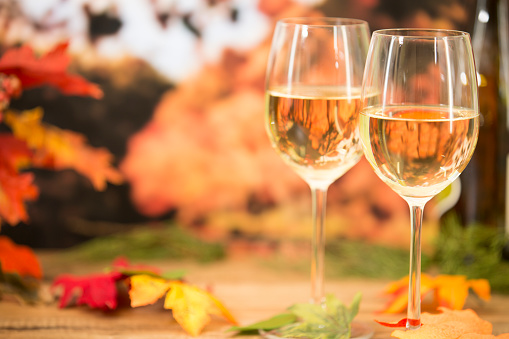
[[400, 323], [146, 289], [272, 323], [191, 305], [310, 320], [95, 290], [446, 325], [315, 321], [49, 69], [484, 336], [450, 291]]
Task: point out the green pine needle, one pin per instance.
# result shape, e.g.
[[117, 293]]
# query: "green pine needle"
[[474, 251]]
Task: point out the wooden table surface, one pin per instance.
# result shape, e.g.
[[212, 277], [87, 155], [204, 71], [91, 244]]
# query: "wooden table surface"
[[249, 290]]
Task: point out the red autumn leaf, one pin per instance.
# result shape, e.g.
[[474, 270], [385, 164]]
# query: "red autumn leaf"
[[122, 264], [49, 69], [96, 290], [10, 87], [18, 259], [15, 187], [401, 323]]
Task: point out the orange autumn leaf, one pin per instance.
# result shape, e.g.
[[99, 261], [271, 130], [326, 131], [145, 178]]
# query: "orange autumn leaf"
[[49, 69], [18, 259], [448, 324], [399, 292], [484, 336], [62, 149], [452, 290], [449, 291], [15, 187]]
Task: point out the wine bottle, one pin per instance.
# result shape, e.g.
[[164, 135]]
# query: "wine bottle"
[[483, 198]]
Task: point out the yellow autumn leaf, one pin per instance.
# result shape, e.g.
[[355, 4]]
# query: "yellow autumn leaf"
[[449, 290], [146, 289], [192, 307]]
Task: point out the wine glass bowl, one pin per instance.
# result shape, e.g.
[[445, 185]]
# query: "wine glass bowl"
[[314, 76], [419, 121]]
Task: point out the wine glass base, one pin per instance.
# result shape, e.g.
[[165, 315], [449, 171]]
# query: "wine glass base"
[[360, 330]]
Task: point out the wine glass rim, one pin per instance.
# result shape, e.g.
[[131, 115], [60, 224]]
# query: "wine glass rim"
[[421, 33], [321, 21]]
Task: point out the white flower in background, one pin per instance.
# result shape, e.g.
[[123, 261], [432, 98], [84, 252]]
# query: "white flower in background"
[[221, 32], [176, 37]]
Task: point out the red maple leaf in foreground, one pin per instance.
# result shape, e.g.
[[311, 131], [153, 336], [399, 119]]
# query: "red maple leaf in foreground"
[[95, 290], [49, 69]]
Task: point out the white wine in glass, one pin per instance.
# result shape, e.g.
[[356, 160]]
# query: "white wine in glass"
[[419, 121], [313, 90]]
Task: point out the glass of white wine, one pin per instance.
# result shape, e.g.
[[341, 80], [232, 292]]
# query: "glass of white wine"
[[313, 89], [419, 121]]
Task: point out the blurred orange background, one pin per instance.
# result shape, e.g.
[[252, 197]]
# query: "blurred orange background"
[[183, 113]]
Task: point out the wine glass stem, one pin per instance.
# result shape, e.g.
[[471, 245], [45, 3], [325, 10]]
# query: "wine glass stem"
[[414, 283], [319, 202]]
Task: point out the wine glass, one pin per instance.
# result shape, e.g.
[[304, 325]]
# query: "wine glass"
[[313, 88], [419, 121]]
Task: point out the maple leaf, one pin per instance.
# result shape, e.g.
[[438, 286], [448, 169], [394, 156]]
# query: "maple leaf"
[[62, 149], [10, 87], [95, 290], [15, 187], [18, 259], [449, 324], [191, 305], [449, 291], [49, 69], [146, 290]]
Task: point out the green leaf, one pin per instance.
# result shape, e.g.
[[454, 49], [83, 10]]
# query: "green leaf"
[[330, 322], [275, 322], [174, 275], [306, 330], [310, 313], [170, 275], [26, 289], [355, 305]]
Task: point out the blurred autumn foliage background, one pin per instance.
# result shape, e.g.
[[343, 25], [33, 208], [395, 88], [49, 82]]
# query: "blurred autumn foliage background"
[[183, 116]]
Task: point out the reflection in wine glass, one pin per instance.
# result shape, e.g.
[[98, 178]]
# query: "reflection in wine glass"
[[313, 89], [419, 121]]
